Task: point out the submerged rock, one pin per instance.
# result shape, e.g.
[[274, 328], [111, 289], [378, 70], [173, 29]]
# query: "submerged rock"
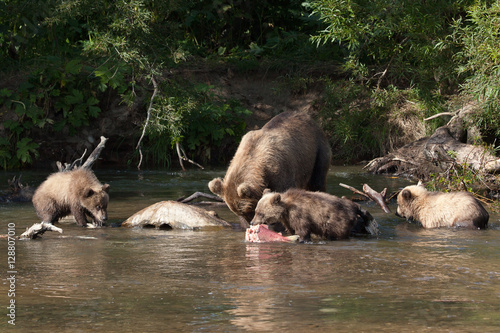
[[174, 215]]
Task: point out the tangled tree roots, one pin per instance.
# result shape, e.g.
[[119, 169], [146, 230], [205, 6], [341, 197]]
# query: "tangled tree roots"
[[435, 154]]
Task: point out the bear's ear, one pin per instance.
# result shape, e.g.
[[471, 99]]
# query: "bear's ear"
[[88, 192], [246, 192], [105, 188], [406, 194], [266, 191], [277, 199], [216, 186]]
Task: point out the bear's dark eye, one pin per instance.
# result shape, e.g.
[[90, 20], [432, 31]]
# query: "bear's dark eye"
[[98, 207]]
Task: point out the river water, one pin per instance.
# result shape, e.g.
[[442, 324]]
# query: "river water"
[[128, 280]]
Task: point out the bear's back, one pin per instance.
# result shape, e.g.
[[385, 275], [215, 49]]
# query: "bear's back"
[[66, 186]]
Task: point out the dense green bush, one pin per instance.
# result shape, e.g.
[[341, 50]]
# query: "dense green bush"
[[57, 96], [393, 42], [479, 62], [72, 53], [194, 116], [76, 51]]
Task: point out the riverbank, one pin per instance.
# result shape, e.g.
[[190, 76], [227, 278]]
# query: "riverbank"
[[360, 124]]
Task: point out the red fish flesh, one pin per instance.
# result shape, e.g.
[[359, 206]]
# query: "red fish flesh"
[[260, 233]]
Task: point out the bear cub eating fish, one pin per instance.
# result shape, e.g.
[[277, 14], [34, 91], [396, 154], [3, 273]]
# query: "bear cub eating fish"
[[304, 213], [76, 192]]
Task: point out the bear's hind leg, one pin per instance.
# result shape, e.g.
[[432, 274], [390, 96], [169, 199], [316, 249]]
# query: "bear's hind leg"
[[320, 171], [46, 209]]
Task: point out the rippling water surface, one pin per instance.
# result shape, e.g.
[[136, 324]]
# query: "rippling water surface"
[[123, 280]]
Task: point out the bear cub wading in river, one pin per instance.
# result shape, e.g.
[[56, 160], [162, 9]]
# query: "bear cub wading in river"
[[290, 151], [304, 213], [76, 192], [438, 209]]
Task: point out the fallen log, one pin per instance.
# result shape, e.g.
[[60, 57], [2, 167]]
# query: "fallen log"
[[174, 215], [371, 194], [434, 154], [37, 229], [449, 145]]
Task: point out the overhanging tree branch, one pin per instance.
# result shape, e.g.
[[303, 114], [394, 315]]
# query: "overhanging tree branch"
[[150, 108]]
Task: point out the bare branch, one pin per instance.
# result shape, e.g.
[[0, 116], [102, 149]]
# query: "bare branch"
[[355, 190], [379, 198], [371, 194], [183, 157], [150, 107], [197, 195], [442, 114], [177, 146], [95, 154]]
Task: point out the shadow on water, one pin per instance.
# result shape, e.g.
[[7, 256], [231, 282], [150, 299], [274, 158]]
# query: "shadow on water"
[[113, 279]]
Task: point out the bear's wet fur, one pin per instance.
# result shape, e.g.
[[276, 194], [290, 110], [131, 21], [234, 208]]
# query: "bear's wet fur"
[[304, 213], [439, 209], [290, 151], [76, 192]]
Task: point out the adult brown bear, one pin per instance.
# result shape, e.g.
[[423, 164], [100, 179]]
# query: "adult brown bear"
[[290, 151], [438, 209], [76, 192], [304, 213]]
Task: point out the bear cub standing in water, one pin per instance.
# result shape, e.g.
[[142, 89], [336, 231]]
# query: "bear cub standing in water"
[[76, 192], [438, 209], [304, 213]]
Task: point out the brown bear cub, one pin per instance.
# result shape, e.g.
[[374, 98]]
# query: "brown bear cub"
[[76, 192], [289, 151], [438, 209], [304, 213]]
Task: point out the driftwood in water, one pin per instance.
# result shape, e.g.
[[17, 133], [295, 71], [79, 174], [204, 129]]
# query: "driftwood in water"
[[371, 194], [17, 191], [216, 199], [174, 215], [435, 154], [450, 145], [379, 198], [88, 163], [37, 229]]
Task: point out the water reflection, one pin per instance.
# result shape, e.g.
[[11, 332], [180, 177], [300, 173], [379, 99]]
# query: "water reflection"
[[407, 279]]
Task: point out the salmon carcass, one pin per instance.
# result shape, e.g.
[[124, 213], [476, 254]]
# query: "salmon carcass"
[[261, 233]]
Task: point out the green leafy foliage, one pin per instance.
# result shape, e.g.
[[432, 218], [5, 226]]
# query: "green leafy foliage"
[[194, 115], [56, 96], [73, 53], [363, 123], [392, 42], [480, 62], [458, 177]]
